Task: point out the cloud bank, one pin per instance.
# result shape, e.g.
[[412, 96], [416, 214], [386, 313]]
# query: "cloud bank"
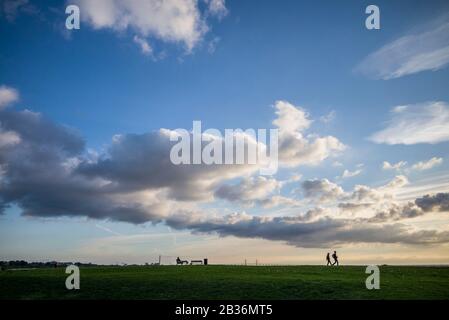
[[324, 232], [46, 171]]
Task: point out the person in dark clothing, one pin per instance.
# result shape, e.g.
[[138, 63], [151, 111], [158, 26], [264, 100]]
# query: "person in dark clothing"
[[334, 256], [328, 258]]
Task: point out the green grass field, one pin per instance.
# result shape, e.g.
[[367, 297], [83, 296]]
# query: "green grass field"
[[227, 282]]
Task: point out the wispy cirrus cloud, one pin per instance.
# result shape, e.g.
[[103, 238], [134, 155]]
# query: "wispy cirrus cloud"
[[427, 50], [426, 122], [426, 165], [350, 174], [328, 117], [12, 8], [418, 166]]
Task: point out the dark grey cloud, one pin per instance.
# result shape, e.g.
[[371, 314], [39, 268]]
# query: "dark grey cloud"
[[36, 174], [295, 231], [437, 202], [47, 172], [38, 132], [136, 162], [398, 212], [353, 207]]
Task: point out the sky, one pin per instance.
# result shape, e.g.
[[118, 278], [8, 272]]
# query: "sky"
[[86, 118]]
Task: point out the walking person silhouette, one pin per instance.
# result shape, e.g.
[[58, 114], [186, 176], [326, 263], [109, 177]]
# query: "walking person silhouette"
[[328, 258], [334, 255]]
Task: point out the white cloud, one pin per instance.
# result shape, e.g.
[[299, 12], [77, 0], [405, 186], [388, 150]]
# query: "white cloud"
[[419, 123], [426, 165], [413, 53], [393, 166], [217, 8], [175, 21], [295, 148], [144, 45], [8, 96], [8, 138], [420, 166], [291, 118], [350, 174], [295, 151], [362, 193]]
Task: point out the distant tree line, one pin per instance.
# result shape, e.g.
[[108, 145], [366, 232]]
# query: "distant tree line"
[[16, 264]]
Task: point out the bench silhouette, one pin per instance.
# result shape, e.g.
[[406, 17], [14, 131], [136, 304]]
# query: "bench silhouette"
[[181, 262]]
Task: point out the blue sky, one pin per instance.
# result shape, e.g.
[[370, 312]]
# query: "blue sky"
[[253, 54]]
